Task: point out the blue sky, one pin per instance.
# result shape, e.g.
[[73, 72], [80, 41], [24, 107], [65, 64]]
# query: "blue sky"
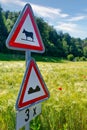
[[64, 15]]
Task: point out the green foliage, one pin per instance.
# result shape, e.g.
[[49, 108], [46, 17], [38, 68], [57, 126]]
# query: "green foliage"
[[77, 59], [66, 109], [85, 51], [3, 32], [82, 58], [11, 57], [57, 44], [11, 18], [9, 24], [70, 57]]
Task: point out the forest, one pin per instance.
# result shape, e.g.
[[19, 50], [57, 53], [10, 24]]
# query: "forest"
[[57, 43]]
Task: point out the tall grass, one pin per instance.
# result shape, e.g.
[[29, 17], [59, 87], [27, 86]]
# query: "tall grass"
[[66, 109]]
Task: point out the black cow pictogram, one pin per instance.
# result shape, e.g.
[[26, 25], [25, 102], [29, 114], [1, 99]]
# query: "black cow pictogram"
[[29, 35]]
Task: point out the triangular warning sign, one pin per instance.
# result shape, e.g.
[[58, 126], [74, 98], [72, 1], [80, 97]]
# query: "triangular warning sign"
[[25, 33], [33, 89]]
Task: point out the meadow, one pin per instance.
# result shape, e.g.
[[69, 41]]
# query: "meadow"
[[66, 109]]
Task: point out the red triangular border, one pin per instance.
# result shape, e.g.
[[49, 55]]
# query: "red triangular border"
[[16, 29], [22, 104]]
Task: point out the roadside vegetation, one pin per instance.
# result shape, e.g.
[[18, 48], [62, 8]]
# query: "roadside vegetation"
[[66, 109]]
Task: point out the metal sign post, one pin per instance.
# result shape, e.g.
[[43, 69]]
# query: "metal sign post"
[[27, 126], [28, 56], [20, 115]]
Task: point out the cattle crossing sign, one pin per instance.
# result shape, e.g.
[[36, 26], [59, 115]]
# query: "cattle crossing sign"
[[25, 33]]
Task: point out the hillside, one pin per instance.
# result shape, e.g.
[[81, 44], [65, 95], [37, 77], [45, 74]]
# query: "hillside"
[[56, 44]]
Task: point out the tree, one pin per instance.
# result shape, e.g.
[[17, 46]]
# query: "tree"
[[73, 48], [78, 44], [53, 36], [3, 32], [70, 57], [85, 51], [9, 25], [65, 48], [56, 43]]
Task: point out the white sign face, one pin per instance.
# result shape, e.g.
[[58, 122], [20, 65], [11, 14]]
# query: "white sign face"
[[34, 88], [23, 117], [27, 34]]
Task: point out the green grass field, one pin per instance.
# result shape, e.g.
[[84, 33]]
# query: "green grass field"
[[66, 108]]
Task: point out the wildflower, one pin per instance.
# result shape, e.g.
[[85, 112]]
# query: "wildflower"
[[84, 76], [60, 88]]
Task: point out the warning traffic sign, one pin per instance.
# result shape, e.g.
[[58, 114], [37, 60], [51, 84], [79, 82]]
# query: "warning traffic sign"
[[25, 34], [33, 88]]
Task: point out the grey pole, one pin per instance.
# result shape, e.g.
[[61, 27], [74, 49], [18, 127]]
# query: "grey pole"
[[28, 56], [27, 126]]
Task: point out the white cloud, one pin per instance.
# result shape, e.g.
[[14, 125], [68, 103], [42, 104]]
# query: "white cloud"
[[73, 29], [52, 16], [77, 18], [46, 12], [68, 27], [16, 2], [3, 1]]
